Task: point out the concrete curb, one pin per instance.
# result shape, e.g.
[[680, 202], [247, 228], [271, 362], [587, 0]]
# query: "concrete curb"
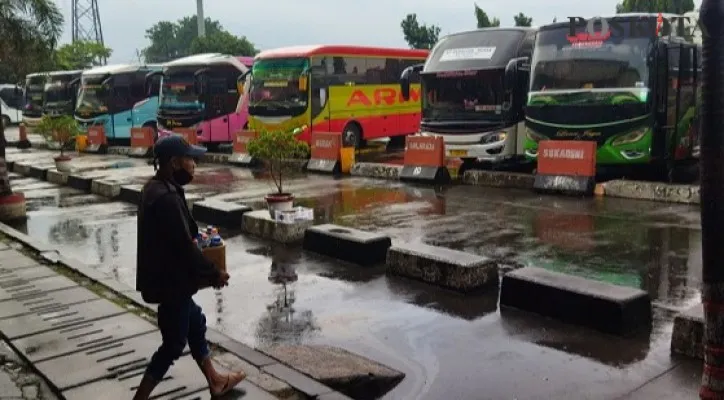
[[297, 380]]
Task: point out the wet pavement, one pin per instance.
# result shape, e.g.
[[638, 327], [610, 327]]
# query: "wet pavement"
[[449, 345]]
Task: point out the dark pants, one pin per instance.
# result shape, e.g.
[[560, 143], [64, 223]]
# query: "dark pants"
[[180, 322]]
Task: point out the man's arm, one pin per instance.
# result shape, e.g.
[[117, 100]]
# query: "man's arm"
[[172, 216]]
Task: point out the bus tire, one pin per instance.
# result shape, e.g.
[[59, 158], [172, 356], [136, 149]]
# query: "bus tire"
[[352, 135], [6, 121]]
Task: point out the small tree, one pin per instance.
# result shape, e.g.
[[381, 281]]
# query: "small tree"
[[275, 148], [63, 130]]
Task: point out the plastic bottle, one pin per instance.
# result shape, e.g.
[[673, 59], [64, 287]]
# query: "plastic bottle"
[[204, 240], [209, 229], [215, 238]]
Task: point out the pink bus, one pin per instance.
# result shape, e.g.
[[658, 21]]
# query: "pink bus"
[[202, 92]]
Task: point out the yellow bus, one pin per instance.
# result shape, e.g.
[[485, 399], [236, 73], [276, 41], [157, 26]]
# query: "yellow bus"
[[348, 89]]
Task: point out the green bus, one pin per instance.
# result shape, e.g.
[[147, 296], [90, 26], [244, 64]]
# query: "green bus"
[[636, 95]]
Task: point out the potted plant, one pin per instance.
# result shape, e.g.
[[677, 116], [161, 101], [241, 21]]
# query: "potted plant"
[[62, 130], [275, 148]]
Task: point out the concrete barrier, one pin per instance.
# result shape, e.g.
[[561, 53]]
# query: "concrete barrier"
[[499, 179], [347, 244], [376, 170], [239, 154], [608, 308], [80, 182], [220, 213], [259, 223], [425, 160], [566, 167], [141, 142], [655, 191], [687, 337], [40, 170], [21, 167], [97, 141], [444, 267], [325, 153], [106, 188]]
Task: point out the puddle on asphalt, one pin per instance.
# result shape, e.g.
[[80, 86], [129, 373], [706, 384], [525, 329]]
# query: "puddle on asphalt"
[[445, 342]]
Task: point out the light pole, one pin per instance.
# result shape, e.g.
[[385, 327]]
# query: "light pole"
[[200, 20]]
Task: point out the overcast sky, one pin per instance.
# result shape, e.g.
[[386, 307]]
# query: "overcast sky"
[[277, 23]]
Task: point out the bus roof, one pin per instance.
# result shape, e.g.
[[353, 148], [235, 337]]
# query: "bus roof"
[[497, 45], [342, 50], [121, 68], [208, 59]]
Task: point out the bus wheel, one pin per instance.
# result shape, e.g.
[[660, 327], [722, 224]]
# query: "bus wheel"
[[6, 121], [352, 136]]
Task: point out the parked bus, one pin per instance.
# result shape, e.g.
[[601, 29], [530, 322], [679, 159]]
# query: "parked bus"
[[61, 92], [11, 104], [202, 91], [118, 97], [349, 89], [474, 87], [33, 107], [635, 95]]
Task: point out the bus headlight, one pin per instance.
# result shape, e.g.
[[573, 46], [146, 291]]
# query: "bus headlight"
[[493, 137], [534, 136], [631, 137]]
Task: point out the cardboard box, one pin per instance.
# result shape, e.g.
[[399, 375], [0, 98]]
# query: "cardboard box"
[[216, 255]]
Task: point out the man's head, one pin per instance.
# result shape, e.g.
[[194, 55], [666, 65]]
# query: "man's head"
[[174, 158]]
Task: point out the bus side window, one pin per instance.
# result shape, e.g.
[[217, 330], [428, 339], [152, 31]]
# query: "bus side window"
[[319, 83], [392, 72], [155, 86], [375, 74], [138, 91], [353, 70]]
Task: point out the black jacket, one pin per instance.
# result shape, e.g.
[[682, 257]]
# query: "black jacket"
[[169, 266]]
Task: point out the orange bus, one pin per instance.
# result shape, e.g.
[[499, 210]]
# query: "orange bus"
[[350, 89]]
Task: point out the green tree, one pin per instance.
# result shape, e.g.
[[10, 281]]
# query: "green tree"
[[483, 20], [523, 20], [419, 36], [664, 6], [171, 40], [30, 30], [81, 55], [223, 42]]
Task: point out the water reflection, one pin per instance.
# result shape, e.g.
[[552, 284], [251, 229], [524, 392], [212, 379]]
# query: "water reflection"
[[68, 231], [282, 323]]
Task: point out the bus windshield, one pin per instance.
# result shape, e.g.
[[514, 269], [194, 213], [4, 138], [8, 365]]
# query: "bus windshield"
[[93, 96], [463, 95], [56, 92], [275, 87], [567, 71], [178, 91]]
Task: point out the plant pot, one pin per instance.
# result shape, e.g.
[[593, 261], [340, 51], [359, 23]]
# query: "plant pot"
[[279, 202], [62, 163]]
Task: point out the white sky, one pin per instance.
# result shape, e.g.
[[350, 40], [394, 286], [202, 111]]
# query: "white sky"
[[278, 23]]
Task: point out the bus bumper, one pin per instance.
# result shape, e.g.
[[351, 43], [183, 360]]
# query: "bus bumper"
[[493, 153]]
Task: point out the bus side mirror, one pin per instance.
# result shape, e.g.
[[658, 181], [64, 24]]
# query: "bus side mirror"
[[405, 79], [511, 76], [241, 81]]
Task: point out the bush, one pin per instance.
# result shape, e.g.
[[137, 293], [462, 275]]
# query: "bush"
[[275, 147], [63, 130]]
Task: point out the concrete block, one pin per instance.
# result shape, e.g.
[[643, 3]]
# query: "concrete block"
[[259, 223], [376, 170], [655, 191], [348, 244], [40, 170], [130, 194], [608, 308], [687, 337], [333, 396], [106, 188], [246, 353], [57, 177], [498, 179], [80, 182], [22, 167], [356, 376], [444, 267], [297, 380], [226, 361], [221, 213]]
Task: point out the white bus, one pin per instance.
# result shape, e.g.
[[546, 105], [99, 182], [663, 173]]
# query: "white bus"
[[11, 104]]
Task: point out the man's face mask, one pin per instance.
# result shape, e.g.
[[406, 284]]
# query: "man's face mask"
[[180, 174]]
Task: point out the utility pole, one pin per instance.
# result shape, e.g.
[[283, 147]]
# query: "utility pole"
[[712, 197], [200, 20]]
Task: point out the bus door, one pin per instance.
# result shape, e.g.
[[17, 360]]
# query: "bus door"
[[677, 114], [319, 94], [222, 102], [121, 107]]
